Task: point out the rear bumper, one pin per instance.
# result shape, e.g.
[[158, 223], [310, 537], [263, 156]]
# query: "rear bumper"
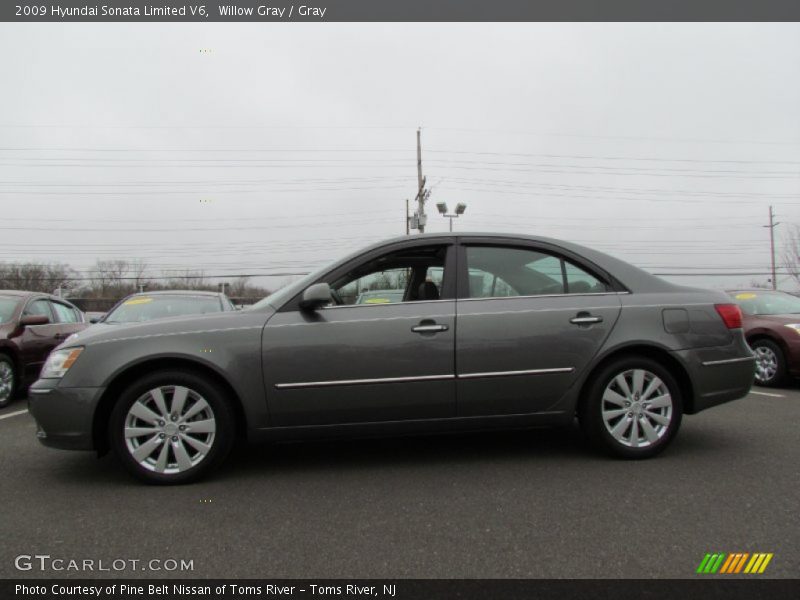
[[718, 375], [64, 416]]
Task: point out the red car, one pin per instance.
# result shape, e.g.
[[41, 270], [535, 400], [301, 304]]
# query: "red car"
[[31, 325], [771, 323]]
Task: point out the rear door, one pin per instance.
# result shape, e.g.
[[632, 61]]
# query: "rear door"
[[530, 320], [68, 320]]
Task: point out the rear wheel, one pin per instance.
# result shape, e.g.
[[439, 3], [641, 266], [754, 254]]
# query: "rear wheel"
[[770, 363], [632, 409], [7, 381], [172, 427]]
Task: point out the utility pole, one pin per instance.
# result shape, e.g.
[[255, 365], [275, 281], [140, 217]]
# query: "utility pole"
[[408, 223], [772, 225], [421, 193]]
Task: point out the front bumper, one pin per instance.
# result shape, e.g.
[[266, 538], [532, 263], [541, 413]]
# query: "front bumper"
[[64, 416]]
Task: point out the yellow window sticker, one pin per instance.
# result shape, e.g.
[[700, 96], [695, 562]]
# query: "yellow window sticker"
[[745, 296], [377, 301], [137, 301]]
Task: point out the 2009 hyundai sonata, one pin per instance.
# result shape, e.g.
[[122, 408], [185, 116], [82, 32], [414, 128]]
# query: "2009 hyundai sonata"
[[486, 331]]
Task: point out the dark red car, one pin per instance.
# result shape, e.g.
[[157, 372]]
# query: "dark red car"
[[772, 328], [31, 325]]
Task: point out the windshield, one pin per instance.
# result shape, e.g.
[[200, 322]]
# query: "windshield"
[[146, 308], [767, 303], [276, 299], [7, 306]]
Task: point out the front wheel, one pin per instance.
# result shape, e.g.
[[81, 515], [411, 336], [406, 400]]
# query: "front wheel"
[[632, 409], [770, 363], [172, 427]]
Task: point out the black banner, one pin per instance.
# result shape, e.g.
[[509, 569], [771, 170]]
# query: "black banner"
[[705, 587], [398, 10]]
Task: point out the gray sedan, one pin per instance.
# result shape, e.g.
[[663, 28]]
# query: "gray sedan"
[[485, 331]]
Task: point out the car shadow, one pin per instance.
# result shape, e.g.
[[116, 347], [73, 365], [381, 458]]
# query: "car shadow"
[[408, 451], [561, 446]]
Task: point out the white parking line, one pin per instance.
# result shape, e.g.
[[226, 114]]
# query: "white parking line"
[[767, 394], [14, 414]]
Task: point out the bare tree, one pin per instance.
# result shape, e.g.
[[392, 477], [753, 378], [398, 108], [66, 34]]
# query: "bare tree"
[[36, 277], [791, 252]]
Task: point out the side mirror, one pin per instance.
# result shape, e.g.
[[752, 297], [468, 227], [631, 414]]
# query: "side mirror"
[[316, 296], [28, 320], [94, 320]]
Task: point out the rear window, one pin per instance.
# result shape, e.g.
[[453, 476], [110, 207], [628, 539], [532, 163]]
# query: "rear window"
[[147, 308]]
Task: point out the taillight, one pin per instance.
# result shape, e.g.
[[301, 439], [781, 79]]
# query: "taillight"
[[731, 315]]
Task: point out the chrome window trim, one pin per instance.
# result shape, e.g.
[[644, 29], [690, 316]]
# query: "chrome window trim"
[[544, 296], [312, 384], [728, 361], [374, 305]]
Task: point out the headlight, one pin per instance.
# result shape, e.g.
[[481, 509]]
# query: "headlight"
[[59, 362], [795, 326]]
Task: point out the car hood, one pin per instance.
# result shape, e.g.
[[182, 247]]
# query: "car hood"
[[102, 332]]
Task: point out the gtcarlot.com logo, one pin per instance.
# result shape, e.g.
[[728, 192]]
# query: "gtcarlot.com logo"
[[736, 562]]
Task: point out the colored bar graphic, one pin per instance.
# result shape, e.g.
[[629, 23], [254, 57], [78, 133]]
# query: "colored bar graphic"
[[727, 564], [734, 563], [740, 565], [764, 564]]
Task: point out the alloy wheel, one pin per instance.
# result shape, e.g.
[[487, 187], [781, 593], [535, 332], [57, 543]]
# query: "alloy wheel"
[[637, 408], [6, 381], [766, 364], [170, 429]]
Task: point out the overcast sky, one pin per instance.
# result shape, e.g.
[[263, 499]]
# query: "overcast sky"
[[264, 148]]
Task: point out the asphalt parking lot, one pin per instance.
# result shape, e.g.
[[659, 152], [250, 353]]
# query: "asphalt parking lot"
[[521, 504]]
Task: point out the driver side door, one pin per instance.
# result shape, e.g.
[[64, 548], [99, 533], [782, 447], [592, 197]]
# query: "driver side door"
[[384, 352]]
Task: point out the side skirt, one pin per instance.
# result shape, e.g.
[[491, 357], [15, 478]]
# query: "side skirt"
[[400, 428]]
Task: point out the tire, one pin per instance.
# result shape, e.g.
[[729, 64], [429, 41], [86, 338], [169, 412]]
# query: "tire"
[[610, 423], [8, 380], [770, 363], [177, 443]]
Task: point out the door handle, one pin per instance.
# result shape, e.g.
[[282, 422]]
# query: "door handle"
[[585, 319], [431, 328]]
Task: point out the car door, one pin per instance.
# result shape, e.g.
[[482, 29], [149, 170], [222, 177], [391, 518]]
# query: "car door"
[[530, 320], [68, 320], [36, 341], [389, 358]]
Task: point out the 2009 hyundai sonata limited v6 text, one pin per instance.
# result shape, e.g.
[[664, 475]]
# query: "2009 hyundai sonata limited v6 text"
[[482, 331]]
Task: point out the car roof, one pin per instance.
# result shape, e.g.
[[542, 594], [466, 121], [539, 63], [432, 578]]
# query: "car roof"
[[177, 293], [631, 276], [21, 293]]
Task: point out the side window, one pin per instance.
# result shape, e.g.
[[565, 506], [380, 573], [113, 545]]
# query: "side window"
[[39, 307], [487, 285], [64, 313], [496, 271], [581, 282], [405, 276]]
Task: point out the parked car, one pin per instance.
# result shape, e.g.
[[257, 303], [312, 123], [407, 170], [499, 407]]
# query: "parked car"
[[147, 306], [772, 329], [31, 325], [521, 331]]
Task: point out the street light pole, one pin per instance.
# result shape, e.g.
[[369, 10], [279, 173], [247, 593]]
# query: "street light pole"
[[460, 208]]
